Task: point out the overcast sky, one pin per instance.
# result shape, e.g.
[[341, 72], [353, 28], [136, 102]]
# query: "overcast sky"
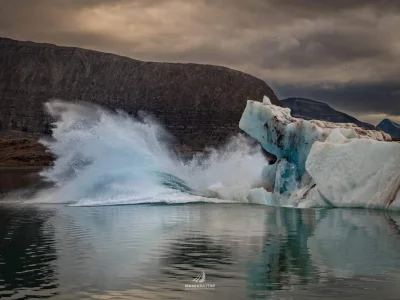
[[343, 52]]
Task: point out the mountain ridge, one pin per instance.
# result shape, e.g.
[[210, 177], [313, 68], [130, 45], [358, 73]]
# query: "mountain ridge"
[[309, 109], [200, 105]]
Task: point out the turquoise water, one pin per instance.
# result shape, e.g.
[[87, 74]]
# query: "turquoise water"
[[155, 252]]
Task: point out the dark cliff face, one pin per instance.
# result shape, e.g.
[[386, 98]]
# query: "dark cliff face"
[[313, 110], [199, 104], [389, 127]]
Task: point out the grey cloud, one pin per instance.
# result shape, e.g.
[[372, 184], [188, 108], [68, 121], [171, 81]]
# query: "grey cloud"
[[299, 47], [328, 47]]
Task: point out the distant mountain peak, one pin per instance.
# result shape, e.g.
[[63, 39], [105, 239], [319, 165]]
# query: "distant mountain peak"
[[390, 127], [309, 109], [389, 121]]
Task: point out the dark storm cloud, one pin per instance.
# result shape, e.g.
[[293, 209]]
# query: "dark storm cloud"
[[301, 47]]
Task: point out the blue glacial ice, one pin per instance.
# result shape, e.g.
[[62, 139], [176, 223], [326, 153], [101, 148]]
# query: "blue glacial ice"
[[286, 179]]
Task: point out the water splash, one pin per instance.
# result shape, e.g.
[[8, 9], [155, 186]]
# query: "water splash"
[[107, 158]]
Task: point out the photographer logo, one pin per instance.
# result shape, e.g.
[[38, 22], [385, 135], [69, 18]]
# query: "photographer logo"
[[199, 283]]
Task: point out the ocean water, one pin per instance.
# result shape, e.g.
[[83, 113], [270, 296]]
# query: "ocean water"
[[155, 251], [120, 216]]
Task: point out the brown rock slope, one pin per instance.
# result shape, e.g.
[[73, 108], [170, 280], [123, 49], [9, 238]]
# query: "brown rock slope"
[[18, 149], [199, 104]]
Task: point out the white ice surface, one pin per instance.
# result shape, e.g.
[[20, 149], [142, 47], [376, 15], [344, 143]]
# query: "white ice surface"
[[356, 172]]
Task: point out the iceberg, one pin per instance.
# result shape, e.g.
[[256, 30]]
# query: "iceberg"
[[324, 164], [287, 137]]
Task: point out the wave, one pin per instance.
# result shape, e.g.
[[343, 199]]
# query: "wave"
[[109, 158]]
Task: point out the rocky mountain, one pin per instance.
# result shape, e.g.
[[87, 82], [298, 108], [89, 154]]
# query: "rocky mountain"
[[390, 127], [199, 104], [313, 110]]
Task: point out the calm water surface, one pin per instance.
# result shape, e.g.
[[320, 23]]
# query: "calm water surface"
[[153, 251]]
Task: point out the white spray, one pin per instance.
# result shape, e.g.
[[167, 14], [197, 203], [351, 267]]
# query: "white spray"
[[105, 158]]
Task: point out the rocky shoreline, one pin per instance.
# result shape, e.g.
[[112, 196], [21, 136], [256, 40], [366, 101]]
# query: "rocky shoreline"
[[22, 150]]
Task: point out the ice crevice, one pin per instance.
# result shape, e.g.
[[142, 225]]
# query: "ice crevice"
[[322, 164]]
